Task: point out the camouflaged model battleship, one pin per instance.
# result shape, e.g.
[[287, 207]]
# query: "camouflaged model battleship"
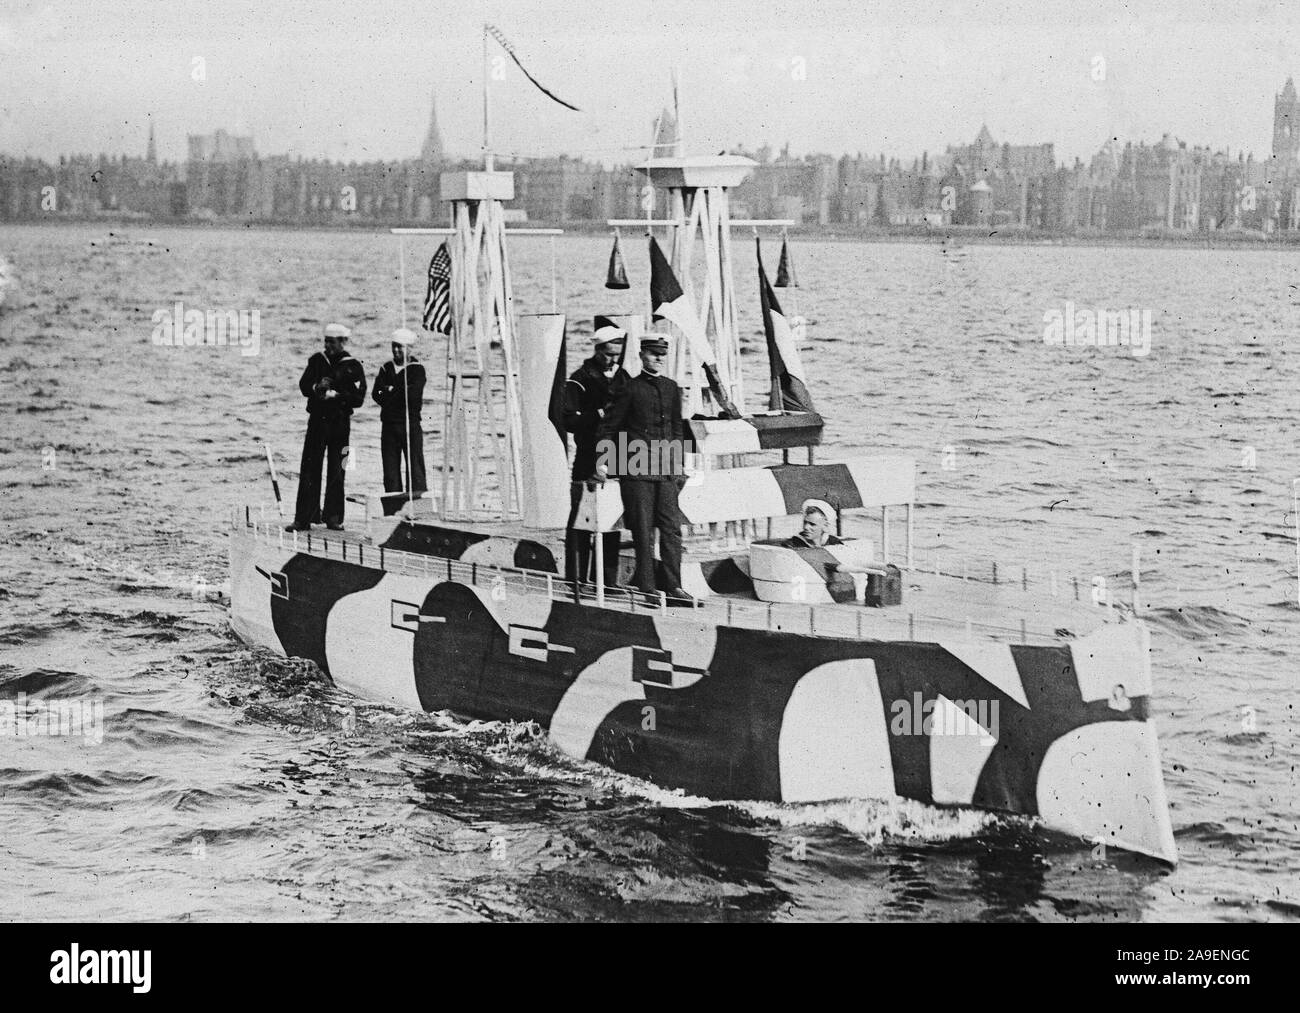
[[773, 685]]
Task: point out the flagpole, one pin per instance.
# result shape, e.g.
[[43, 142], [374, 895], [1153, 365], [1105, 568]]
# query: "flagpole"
[[794, 289], [772, 394], [649, 233], [401, 271], [487, 154], [406, 421], [679, 145], [401, 274]]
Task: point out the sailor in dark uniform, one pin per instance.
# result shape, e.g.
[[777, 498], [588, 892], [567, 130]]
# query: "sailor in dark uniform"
[[399, 392], [640, 438], [587, 397], [333, 384]]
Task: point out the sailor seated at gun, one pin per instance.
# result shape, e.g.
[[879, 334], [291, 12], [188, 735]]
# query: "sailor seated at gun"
[[818, 516], [846, 581]]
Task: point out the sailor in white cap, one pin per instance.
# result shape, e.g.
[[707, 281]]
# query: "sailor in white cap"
[[587, 396], [818, 519], [334, 384], [399, 392]]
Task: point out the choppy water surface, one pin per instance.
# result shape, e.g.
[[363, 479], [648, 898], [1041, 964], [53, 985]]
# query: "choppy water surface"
[[232, 784]]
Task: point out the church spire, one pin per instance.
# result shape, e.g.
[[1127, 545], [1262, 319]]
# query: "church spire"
[[1286, 130], [431, 153], [151, 153]]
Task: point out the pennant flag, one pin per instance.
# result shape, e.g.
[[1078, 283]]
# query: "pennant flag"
[[665, 135], [616, 277], [789, 390], [555, 409], [495, 32], [785, 268], [669, 302], [437, 300]]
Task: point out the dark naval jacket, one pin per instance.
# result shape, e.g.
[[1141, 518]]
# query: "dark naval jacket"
[[644, 425], [587, 395], [798, 541], [346, 377], [392, 390]]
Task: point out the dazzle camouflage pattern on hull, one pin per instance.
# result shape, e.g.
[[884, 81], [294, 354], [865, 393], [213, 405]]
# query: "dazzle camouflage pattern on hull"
[[735, 713]]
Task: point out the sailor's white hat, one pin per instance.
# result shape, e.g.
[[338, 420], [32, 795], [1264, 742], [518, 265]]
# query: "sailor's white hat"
[[403, 336], [821, 506], [607, 333], [337, 331]]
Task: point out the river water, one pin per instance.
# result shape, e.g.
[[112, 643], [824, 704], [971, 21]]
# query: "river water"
[[220, 782]]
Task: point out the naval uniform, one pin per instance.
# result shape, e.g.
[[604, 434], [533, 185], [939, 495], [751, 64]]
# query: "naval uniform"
[[329, 424], [644, 422], [798, 541], [587, 397], [391, 391]]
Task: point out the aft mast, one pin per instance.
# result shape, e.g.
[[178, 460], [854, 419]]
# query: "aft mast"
[[699, 223], [700, 234]]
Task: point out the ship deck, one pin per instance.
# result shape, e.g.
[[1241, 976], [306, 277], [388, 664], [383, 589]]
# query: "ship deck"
[[936, 606]]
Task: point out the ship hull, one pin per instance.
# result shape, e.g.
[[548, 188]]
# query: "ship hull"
[[727, 712]]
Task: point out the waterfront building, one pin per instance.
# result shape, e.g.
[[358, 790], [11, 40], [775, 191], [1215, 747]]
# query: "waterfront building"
[[1169, 186]]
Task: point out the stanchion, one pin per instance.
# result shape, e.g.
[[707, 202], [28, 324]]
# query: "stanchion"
[[600, 548]]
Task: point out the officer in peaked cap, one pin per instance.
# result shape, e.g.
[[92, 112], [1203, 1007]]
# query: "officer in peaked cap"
[[334, 384], [587, 397], [641, 440]]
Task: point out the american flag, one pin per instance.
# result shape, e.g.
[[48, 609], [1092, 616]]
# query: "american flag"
[[437, 301]]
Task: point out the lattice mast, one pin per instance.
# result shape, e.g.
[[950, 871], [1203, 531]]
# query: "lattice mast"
[[482, 352], [699, 224]]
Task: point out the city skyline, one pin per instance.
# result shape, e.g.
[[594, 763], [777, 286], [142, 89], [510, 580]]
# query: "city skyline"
[[1129, 74]]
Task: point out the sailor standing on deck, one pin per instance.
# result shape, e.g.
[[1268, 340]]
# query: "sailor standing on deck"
[[333, 384], [587, 398], [399, 392], [641, 436]]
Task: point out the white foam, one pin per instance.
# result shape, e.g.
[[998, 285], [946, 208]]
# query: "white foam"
[[871, 820]]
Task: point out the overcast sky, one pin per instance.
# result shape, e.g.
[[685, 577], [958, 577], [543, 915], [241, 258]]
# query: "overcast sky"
[[351, 79]]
